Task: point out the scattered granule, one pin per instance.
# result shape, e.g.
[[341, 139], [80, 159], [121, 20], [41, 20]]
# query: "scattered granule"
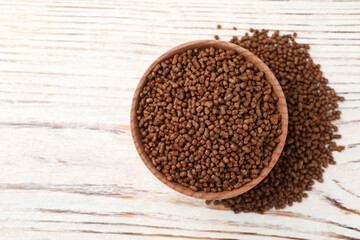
[[312, 106]]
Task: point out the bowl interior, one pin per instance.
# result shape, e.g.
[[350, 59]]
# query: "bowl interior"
[[281, 105]]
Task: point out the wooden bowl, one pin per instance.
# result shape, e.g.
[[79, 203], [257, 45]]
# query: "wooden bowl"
[[281, 107]]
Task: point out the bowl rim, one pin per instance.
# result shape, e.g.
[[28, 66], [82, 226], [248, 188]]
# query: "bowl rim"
[[281, 105]]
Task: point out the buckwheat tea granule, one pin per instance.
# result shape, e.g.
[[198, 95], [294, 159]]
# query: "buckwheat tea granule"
[[311, 105], [208, 119]]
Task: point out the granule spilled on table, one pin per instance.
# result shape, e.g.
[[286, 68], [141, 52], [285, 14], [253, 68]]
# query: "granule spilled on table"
[[312, 107]]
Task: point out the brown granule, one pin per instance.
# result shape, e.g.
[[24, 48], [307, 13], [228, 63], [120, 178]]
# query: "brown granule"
[[218, 26], [234, 28], [216, 37], [208, 119], [312, 106]]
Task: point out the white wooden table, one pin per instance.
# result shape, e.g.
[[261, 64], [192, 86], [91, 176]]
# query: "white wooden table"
[[69, 169]]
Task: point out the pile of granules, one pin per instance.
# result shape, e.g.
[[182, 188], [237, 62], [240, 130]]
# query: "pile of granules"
[[311, 105], [208, 119]]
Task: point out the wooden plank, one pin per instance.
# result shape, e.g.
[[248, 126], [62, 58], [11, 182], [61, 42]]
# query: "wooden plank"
[[68, 70]]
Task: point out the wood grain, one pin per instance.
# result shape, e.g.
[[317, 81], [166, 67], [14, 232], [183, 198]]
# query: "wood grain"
[[68, 70]]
